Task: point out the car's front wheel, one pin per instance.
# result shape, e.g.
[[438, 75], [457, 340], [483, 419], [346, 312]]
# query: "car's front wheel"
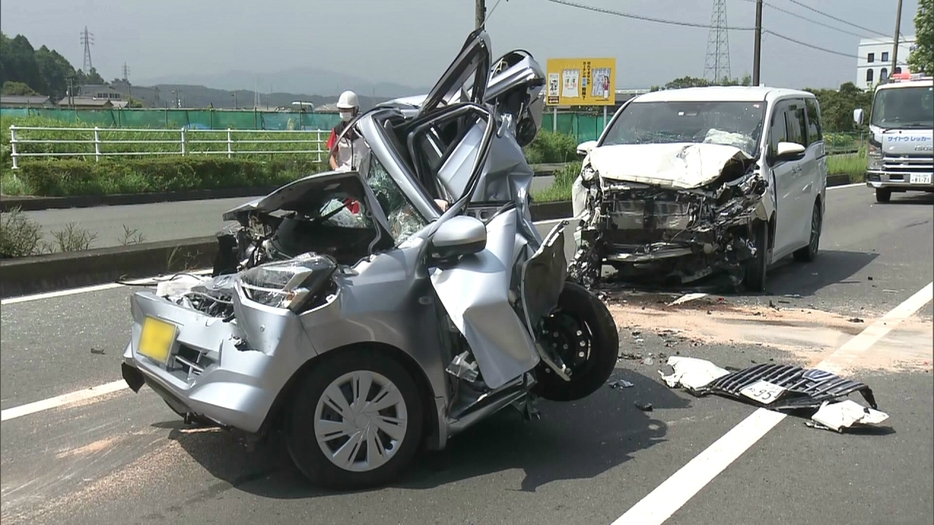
[[583, 333], [356, 421]]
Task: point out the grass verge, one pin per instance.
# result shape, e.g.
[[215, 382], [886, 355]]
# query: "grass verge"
[[62, 178], [561, 189]]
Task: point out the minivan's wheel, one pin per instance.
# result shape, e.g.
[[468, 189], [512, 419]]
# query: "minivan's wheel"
[[883, 195], [355, 422], [584, 335], [756, 268], [809, 252]]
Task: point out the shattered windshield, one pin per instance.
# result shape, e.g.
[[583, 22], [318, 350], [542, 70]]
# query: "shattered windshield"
[[736, 124], [906, 108]]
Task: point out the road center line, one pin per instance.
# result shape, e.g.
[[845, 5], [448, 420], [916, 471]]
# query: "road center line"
[[62, 400], [674, 492]]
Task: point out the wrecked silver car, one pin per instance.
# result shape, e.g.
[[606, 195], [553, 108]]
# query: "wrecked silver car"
[[686, 183], [350, 312]]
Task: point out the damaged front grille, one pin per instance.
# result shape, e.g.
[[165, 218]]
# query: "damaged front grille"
[[638, 223], [189, 363], [786, 387]]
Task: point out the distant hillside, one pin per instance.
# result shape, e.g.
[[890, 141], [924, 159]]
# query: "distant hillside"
[[193, 96], [302, 80]]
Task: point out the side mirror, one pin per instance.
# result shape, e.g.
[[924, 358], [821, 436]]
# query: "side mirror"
[[858, 116], [583, 149], [461, 235], [789, 150]]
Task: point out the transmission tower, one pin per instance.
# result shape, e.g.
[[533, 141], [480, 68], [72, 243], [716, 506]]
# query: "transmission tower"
[[88, 40], [126, 73], [717, 63]]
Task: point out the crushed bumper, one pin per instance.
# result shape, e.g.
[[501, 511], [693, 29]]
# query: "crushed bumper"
[[211, 369], [687, 234]]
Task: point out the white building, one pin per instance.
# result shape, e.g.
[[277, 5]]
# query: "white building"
[[875, 61]]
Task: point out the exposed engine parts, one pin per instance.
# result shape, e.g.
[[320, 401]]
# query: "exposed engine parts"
[[685, 234]]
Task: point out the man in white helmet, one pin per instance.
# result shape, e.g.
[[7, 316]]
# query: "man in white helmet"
[[344, 154]]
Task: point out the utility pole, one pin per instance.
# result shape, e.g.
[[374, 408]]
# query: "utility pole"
[[898, 22], [757, 45], [481, 13]]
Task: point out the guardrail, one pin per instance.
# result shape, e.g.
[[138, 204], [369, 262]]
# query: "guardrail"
[[121, 142]]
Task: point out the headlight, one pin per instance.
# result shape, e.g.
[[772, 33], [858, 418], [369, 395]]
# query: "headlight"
[[588, 173], [287, 284], [874, 154]]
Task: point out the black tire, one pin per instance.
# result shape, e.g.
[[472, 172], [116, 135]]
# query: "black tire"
[[809, 252], [579, 310], [757, 268], [299, 431], [883, 195]]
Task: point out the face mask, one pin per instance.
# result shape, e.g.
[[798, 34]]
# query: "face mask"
[[346, 115]]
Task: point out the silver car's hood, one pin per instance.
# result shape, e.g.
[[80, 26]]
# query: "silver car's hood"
[[291, 194]]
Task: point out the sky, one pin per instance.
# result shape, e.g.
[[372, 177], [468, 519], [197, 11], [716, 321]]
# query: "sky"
[[411, 42]]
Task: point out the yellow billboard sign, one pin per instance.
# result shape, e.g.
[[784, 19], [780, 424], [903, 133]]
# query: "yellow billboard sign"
[[580, 82]]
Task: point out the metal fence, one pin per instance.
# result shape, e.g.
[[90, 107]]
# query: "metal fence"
[[49, 142], [212, 119]]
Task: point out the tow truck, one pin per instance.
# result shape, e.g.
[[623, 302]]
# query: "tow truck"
[[901, 136]]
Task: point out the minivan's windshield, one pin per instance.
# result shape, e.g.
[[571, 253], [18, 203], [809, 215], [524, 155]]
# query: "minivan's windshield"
[[905, 108], [736, 124]]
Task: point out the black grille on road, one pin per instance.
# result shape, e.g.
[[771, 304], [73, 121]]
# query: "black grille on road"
[[803, 388]]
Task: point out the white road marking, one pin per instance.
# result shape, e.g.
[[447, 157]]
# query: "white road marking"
[[84, 289], [673, 493], [66, 399]]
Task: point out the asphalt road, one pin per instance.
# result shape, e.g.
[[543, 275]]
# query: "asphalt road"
[[126, 458], [164, 221]]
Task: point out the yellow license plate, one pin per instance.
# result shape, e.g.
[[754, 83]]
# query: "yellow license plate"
[[156, 338]]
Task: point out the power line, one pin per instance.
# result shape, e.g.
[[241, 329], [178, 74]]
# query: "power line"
[[796, 15], [706, 26], [837, 19], [812, 46], [646, 18]]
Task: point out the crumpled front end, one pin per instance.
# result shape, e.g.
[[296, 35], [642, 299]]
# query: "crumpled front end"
[[223, 348], [672, 229]]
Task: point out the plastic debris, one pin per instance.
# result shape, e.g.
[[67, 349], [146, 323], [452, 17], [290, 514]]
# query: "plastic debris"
[[687, 297], [645, 407], [837, 416], [691, 373], [621, 383]]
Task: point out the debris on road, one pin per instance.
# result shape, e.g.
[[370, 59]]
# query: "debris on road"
[[620, 383], [855, 320], [687, 297], [837, 416], [786, 387], [692, 373], [97, 351], [645, 407]]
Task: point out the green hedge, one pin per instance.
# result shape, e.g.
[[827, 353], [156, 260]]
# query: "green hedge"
[[75, 177]]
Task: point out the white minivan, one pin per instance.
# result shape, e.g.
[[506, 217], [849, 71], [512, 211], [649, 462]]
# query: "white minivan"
[[695, 181]]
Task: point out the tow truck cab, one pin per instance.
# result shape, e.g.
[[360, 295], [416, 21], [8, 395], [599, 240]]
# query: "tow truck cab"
[[901, 136]]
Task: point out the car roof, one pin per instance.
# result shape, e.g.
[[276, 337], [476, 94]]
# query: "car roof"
[[720, 94]]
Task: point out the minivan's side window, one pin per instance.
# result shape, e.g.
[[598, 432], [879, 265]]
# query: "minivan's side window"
[[815, 133], [795, 123]]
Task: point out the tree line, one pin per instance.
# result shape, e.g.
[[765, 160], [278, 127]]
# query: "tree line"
[[836, 105], [28, 71]]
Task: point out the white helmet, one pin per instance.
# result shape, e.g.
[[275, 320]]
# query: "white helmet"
[[347, 100]]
